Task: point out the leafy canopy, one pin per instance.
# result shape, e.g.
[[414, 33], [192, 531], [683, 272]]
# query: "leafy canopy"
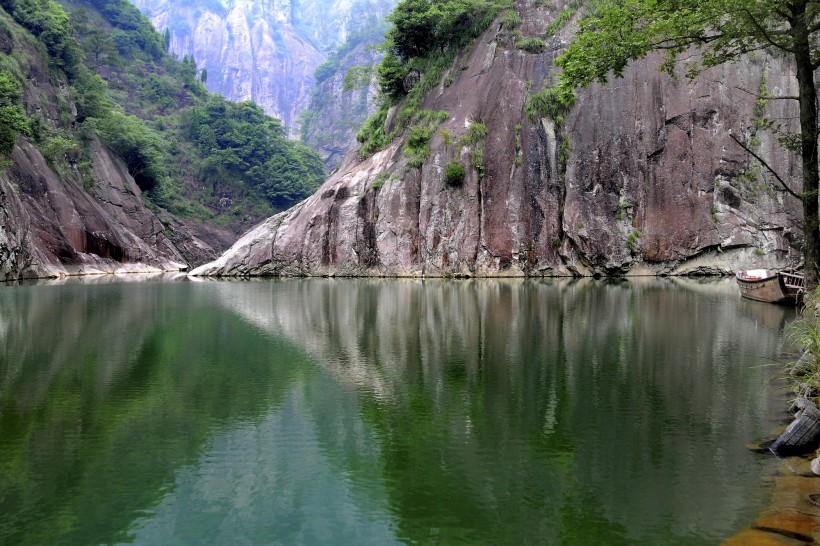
[[614, 32]]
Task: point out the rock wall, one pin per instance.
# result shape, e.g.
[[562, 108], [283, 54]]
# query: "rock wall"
[[262, 51], [51, 225], [334, 113], [649, 181]]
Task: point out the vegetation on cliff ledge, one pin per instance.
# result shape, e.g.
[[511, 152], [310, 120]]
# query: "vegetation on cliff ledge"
[[419, 47]]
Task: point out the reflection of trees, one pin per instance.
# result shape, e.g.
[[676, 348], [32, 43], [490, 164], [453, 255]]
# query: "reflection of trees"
[[502, 411], [510, 411], [109, 370]]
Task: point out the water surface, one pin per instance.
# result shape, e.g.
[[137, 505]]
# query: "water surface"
[[383, 411]]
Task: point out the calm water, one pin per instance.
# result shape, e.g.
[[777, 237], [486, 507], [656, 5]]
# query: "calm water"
[[383, 411]]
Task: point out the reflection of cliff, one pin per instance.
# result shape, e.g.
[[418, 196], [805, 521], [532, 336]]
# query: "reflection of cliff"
[[106, 390], [512, 410], [502, 412]]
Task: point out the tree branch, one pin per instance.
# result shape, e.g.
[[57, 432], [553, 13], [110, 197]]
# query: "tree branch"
[[767, 97], [768, 168], [765, 32]]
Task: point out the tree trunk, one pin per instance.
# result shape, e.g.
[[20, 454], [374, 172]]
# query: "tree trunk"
[[808, 143]]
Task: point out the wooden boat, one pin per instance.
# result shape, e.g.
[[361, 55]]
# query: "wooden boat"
[[770, 286]]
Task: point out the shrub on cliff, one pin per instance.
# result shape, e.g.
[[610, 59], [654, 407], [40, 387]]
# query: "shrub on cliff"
[[422, 26], [454, 174]]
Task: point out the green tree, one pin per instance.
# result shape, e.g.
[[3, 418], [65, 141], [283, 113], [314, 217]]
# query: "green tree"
[[142, 148], [615, 32], [12, 118]]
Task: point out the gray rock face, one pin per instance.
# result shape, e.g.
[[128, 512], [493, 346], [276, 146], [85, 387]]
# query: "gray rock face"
[[51, 226], [650, 182], [262, 51], [334, 113]]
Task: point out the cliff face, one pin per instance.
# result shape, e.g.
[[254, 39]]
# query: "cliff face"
[[264, 51], [334, 113], [51, 225], [649, 181]]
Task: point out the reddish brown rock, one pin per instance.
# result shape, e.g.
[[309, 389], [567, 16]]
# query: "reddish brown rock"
[[653, 182], [51, 225], [793, 524]]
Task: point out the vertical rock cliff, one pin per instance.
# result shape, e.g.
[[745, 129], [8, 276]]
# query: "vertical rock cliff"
[[52, 225], [263, 51], [641, 177]]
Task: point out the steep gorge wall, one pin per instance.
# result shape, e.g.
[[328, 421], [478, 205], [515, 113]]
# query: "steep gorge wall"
[[52, 225], [262, 51], [652, 182]]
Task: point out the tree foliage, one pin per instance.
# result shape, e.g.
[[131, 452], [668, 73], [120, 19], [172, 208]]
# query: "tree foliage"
[[239, 140], [142, 148], [12, 118], [184, 147], [423, 26], [51, 25], [614, 32]]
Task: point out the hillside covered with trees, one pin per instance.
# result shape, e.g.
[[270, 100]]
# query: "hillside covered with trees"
[[110, 77]]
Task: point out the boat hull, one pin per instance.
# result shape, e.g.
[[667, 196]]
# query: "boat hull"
[[769, 289]]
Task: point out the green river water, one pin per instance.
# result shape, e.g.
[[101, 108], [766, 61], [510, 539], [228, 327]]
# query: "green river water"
[[330, 411]]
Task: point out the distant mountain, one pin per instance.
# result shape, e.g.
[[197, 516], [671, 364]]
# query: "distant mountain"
[[265, 51]]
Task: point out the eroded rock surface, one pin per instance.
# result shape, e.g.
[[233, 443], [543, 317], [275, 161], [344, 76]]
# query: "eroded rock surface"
[[649, 181], [51, 225]]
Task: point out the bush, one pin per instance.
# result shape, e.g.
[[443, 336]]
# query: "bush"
[[454, 174], [12, 118], [632, 241], [531, 45], [550, 102], [142, 148], [803, 375], [416, 147]]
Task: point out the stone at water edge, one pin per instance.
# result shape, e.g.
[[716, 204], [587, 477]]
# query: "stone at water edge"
[[815, 466]]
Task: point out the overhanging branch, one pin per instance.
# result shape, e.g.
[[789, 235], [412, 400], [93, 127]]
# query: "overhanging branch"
[[767, 97], [768, 168]]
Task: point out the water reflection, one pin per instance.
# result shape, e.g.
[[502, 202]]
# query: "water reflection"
[[611, 410], [303, 411]]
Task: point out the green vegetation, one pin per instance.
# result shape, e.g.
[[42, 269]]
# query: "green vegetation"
[[531, 45], [511, 19], [420, 46], [185, 148], [632, 241], [12, 117], [371, 135], [421, 27], [564, 17], [379, 181], [803, 375], [416, 147], [475, 137], [551, 102], [239, 142], [454, 174]]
